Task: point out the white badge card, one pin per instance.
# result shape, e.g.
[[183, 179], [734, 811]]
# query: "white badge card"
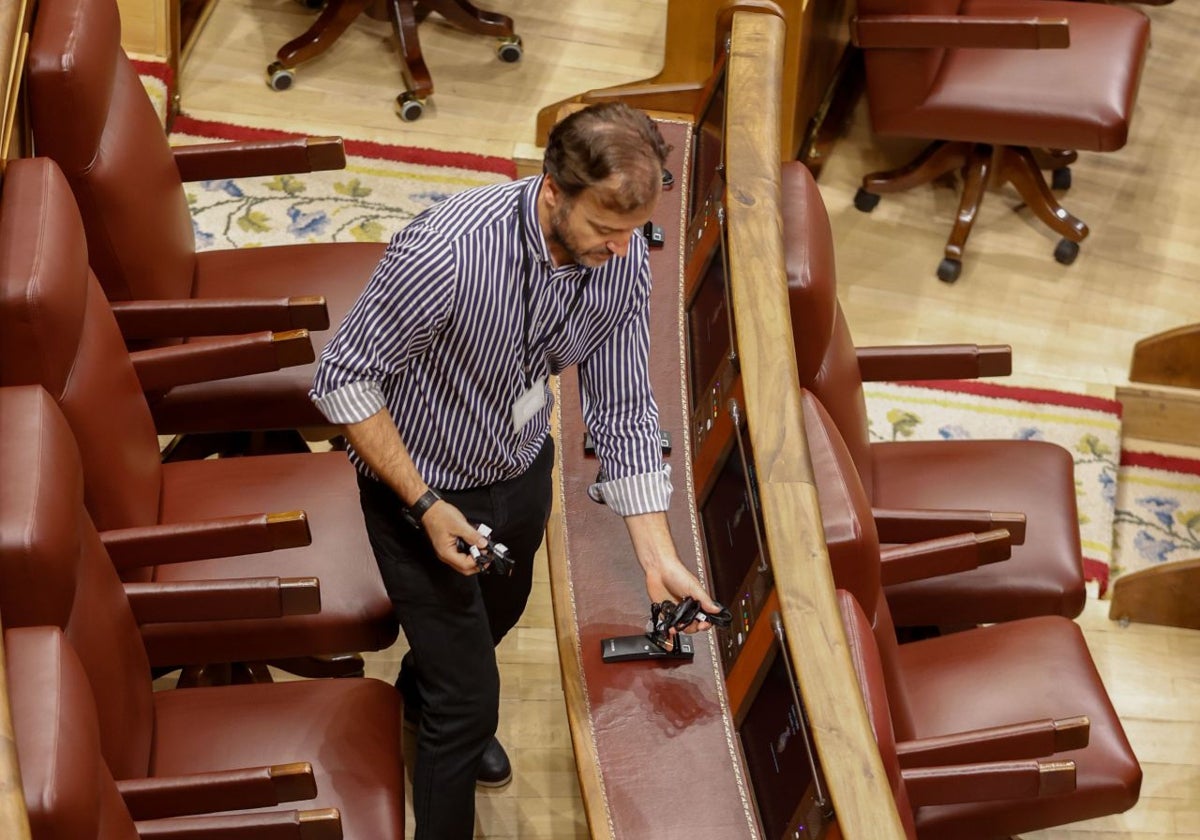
[[529, 404]]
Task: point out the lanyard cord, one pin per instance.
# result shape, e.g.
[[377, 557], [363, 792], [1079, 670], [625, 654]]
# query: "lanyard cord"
[[527, 300]]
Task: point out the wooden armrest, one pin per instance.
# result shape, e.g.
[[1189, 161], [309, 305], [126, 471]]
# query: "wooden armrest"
[[142, 319], [203, 361], [227, 536], [223, 600], [1031, 739], [933, 361], [987, 782], [159, 797], [319, 824], [909, 525], [931, 558], [242, 159], [958, 31]]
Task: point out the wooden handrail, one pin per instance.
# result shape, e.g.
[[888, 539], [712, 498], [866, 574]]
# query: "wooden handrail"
[[14, 821], [849, 757]]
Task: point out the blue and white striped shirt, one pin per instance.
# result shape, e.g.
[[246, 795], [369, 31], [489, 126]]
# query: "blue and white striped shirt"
[[437, 338]]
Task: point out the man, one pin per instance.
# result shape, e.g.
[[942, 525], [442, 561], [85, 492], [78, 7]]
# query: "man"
[[438, 375]]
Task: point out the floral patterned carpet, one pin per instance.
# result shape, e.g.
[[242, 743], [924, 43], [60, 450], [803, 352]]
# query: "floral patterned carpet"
[[1135, 509]]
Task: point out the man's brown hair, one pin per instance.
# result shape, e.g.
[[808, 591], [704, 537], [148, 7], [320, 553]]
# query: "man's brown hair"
[[610, 146]]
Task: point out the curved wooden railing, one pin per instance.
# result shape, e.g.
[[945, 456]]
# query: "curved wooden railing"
[[627, 719], [848, 754]]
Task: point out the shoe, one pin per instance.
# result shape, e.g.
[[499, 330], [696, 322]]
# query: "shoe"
[[495, 771]]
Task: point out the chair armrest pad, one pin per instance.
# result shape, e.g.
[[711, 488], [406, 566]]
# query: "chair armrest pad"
[[223, 600], [943, 556], [227, 536], [933, 361], [989, 781], [145, 319], [252, 158], [203, 361], [958, 31], [158, 797], [1012, 742], [319, 824], [909, 525]]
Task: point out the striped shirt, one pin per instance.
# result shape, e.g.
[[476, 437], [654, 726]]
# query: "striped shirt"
[[438, 338]]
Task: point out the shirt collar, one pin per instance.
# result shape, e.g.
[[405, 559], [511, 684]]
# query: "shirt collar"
[[534, 241]]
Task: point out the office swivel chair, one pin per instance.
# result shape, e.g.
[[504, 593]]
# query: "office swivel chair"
[[404, 15], [91, 115], [993, 83], [57, 331], [1017, 673], [994, 478]]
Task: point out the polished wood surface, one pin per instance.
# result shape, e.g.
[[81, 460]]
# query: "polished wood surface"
[[1164, 594], [803, 579], [1168, 358]]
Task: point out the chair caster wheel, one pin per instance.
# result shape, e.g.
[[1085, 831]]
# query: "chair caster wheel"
[[312, 5], [1060, 179], [865, 201], [510, 49], [409, 107], [1066, 251], [948, 270], [278, 76]]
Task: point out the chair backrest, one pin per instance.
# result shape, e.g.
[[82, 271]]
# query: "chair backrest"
[[868, 668], [55, 571], [69, 791], [853, 543], [825, 356], [90, 113], [56, 330], [898, 80]]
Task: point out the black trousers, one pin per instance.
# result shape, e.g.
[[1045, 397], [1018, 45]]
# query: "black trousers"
[[452, 623]]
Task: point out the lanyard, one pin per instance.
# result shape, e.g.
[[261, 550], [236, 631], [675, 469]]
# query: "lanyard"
[[527, 300]]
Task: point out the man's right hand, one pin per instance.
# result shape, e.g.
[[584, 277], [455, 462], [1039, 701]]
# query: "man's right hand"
[[445, 525]]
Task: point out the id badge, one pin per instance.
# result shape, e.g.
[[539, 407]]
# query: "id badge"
[[529, 404]]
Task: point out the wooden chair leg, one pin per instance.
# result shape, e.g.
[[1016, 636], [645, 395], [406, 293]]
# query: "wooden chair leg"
[[936, 160], [1018, 167], [466, 16], [976, 176], [332, 22], [417, 80]]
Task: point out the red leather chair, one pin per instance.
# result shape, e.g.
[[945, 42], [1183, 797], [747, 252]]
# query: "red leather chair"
[[992, 82], [404, 15], [920, 488], [54, 571], [89, 112], [57, 331], [954, 691]]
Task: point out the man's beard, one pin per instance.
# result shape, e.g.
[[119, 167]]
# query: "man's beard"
[[561, 237]]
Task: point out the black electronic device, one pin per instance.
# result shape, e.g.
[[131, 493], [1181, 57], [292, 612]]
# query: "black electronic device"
[[639, 647], [664, 440], [655, 237], [668, 180], [492, 560]]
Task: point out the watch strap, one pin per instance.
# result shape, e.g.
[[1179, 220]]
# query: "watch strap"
[[416, 510]]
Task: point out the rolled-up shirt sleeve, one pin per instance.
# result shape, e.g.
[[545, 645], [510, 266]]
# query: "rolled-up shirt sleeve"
[[405, 304], [620, 412]]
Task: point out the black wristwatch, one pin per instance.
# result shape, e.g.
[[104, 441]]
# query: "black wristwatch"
[[416, 510]]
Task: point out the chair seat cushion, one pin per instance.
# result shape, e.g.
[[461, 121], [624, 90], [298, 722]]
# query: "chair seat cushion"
[[348, 729], [356, 613], [1044, 576], [279, 399], [1026, 670], [1076, 98]]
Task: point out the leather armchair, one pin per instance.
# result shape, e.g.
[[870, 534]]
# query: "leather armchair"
[[993, 83], [1025, 487], [89, 112], [188, 750], [1012, 691], [57, 331]]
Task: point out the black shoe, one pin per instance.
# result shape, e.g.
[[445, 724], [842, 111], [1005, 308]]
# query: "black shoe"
[[495, 771]]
